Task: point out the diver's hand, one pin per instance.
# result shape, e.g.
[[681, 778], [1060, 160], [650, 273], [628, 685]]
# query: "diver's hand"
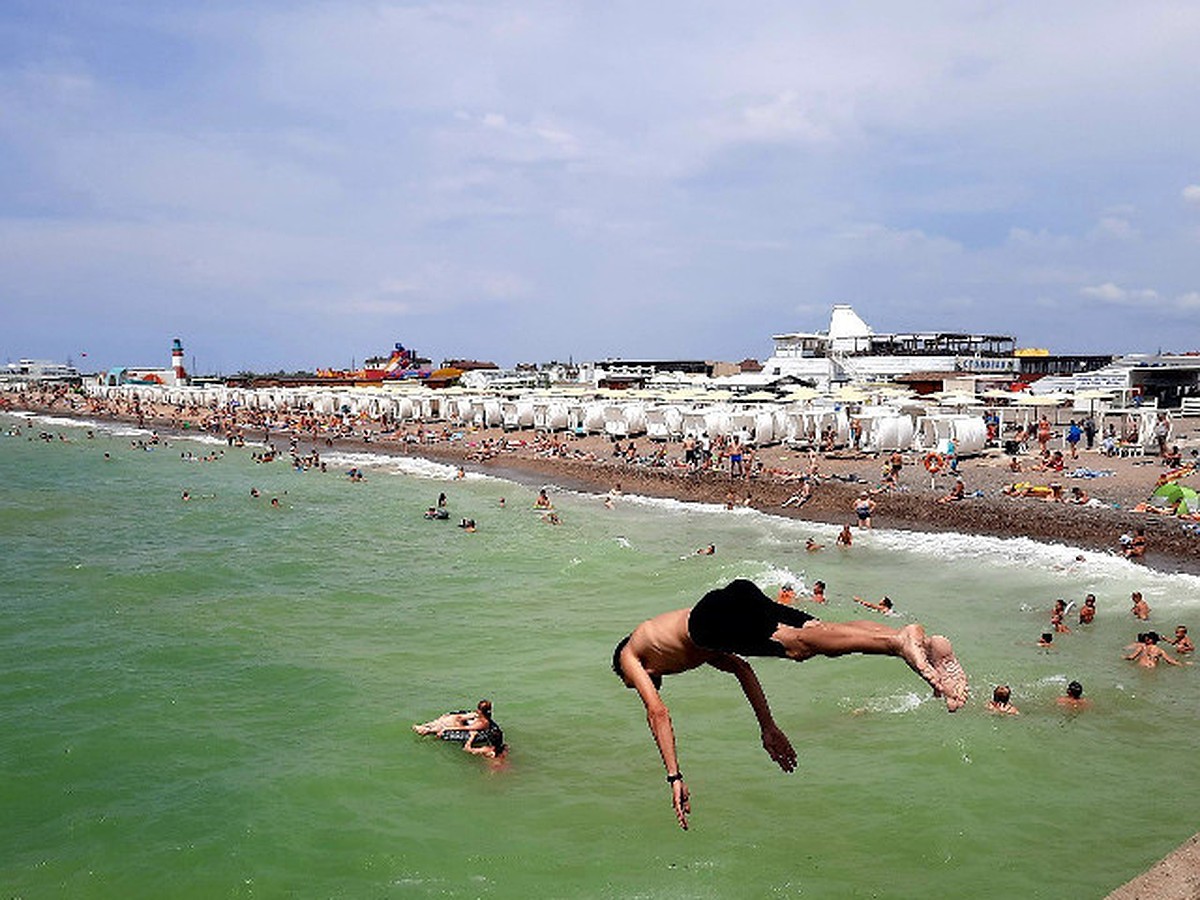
[[681, 801], [779, 748]]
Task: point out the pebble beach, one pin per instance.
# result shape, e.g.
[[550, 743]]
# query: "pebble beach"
[[1118, 487]]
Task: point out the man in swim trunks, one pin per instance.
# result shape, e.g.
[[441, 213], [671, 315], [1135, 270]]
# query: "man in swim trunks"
[[740, 620]]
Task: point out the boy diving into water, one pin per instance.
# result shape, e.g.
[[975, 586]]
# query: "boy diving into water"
[[739, 620]]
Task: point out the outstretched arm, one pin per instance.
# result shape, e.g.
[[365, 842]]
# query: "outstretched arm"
[[775, 742], [658, 717]]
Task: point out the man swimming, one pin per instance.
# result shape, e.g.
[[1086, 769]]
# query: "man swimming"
[[739, 620]]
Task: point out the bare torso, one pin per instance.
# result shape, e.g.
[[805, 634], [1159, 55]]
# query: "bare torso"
[[663, 647]]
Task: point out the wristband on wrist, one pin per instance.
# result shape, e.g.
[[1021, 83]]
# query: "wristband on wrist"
[[671, 779]]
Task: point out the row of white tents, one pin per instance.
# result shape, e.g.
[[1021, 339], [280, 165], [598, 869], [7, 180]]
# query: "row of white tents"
[[806, 423]]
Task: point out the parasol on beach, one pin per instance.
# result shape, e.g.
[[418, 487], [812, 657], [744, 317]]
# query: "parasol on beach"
[[1041, 399], [849, 395], [956, 398], [802, 393], [1173, 492]]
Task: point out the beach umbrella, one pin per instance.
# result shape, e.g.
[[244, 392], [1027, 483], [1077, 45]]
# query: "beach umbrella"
[[802, 393], [1040, 399], [956, 398], [849, 395], [1174, 492]]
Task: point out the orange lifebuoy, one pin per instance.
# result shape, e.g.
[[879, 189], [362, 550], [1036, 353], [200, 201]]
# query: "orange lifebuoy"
[[934, 463]]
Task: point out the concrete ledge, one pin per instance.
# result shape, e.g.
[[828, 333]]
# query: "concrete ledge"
[[1176, 877]]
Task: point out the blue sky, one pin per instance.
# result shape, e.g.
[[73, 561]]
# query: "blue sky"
[[293, 185]]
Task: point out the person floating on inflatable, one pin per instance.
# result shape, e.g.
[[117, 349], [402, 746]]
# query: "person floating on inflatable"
[[477, 731]]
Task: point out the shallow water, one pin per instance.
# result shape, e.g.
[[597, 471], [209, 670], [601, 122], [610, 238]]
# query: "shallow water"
[[213, 698]]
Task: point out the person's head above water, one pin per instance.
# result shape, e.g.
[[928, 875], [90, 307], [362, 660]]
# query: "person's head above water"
[[1075, 690], [1001, 694]]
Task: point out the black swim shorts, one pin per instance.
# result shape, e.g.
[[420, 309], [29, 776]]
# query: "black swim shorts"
[[739, 618]]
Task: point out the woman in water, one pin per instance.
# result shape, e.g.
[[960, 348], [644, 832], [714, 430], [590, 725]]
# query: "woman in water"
[[477, 731]]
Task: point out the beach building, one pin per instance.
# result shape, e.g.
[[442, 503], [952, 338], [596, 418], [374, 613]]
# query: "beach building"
[[39, 371], [1164, 380], [173, 376], [850, 351]]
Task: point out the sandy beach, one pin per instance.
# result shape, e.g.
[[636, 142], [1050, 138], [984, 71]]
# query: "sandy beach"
[[1117, 486]]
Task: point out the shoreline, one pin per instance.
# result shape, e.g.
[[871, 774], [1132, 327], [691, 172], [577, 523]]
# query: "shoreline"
[[587, 464]]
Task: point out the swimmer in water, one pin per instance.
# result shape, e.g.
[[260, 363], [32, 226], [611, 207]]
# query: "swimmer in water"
[[477, 731], [883, 606], [1148, 654], [1073, 699], [1181, 641], [1087, 612], [1001, 701]]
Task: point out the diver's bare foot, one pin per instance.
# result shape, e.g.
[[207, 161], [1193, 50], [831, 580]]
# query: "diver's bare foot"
[[951, 675], [933, 659]]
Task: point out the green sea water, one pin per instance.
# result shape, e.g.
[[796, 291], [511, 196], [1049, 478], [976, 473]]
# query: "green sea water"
[[214, 698]]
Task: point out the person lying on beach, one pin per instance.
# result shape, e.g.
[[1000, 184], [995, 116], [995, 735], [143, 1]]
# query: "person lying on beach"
[[738, 620], [1049, 492], [1148, 654], [956, 493], [1073, 698], [1001, 702], [883, 606], [799, 499], [1181, 641]]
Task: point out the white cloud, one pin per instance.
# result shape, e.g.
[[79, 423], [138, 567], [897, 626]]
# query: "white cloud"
[[1188, 301], [1112, 293], [1114, 228], [1191, 194]]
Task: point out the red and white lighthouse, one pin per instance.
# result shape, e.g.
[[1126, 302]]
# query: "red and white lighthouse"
[[177, 362]]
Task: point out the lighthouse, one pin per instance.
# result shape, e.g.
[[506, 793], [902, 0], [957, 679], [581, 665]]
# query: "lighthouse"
[[177, 362]]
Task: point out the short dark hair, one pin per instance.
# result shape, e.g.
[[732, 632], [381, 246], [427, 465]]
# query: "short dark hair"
[[1075, 690], [616, 660]]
